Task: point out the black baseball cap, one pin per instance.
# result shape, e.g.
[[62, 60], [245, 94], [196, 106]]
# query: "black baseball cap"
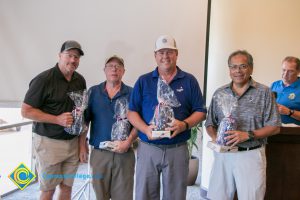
[[71, 44]]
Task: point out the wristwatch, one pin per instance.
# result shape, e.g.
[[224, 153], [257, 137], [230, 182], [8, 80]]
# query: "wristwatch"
[[291, 112], [251, 135], [186, 125]]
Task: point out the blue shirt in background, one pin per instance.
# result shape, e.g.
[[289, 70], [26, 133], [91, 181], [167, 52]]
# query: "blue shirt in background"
[[288, 96]]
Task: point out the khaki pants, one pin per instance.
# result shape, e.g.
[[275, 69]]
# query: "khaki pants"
[[56, 161]]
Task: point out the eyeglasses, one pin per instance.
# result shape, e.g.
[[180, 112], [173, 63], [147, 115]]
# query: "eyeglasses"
[[240, 67], [112, 66]]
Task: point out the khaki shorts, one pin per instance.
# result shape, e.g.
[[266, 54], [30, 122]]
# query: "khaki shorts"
[[56, 161]]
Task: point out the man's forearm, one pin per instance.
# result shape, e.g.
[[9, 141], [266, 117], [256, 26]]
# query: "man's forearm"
[[266, 131], [195, 118], [136, 120], [133, 135], [37, 115], [212, 132]]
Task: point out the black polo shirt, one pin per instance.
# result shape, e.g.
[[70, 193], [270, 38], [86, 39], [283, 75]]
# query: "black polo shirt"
[[48, 92]]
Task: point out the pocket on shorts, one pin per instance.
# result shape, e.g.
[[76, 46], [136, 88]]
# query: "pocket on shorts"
[[37, 140]]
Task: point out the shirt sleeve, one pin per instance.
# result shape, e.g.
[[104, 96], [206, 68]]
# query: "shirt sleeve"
[[197, 98], [35, 95], [136, 97], [212, 119], [271, 114]]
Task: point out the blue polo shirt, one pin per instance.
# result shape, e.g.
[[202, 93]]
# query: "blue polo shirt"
[[288, 96], [144, 100], [101, 110]]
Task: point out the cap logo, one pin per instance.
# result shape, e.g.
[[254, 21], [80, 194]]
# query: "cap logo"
[[164, 40]]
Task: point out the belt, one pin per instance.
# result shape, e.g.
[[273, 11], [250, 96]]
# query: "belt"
[[249, 148], [165, 146]]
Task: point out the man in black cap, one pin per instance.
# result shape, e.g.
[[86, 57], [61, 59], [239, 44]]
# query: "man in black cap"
[[48, 105]]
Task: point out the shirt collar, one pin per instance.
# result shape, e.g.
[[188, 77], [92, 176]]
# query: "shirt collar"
[[60, 75], [179, 74], [123, 90], [251, 83], [293, 85]]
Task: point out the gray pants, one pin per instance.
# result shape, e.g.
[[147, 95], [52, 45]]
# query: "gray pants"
[[116, 174], [153, 161]]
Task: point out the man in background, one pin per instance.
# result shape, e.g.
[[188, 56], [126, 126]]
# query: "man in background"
[[287, 91], [47, 103]]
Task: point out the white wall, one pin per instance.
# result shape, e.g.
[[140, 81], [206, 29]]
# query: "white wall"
[[32, 32], [268, 29]]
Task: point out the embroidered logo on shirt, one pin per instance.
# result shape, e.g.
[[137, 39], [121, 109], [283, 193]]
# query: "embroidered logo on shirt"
[[179, 89], [292, 96]]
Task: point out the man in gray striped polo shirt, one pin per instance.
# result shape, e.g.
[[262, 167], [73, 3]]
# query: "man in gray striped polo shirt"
[[256, 118]]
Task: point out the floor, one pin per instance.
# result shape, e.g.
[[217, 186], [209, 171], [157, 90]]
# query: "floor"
[[32, 191]]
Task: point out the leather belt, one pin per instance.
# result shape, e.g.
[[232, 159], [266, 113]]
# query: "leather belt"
[[249, 148], [165, 146]]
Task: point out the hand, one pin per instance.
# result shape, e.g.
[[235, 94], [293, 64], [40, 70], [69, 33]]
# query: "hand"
[[148, 132], [83, 151], [236, 137], [65, 119], [177, 127], [283, 110], [121, 146]]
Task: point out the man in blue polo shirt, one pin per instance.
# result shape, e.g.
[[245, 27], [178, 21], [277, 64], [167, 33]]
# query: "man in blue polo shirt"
[[288, 91], [113, 171], [166, 156]]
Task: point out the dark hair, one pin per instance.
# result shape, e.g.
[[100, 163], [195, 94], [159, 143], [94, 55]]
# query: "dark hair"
[[292, 59], [244, 53]]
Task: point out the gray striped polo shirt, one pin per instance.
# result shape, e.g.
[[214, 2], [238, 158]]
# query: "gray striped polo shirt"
[[255, 109]]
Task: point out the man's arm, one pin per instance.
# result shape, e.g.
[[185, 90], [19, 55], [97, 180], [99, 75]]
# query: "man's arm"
[[83, 146], [212, 132], [123, 146], [136, 120], [35, 114], [180, 126], [236, 137], [283, 110]]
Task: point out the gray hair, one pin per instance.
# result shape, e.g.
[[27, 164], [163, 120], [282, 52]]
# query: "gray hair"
[[244, 53]]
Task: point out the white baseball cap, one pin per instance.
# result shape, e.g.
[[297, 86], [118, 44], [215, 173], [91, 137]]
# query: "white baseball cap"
[[165, 42]]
